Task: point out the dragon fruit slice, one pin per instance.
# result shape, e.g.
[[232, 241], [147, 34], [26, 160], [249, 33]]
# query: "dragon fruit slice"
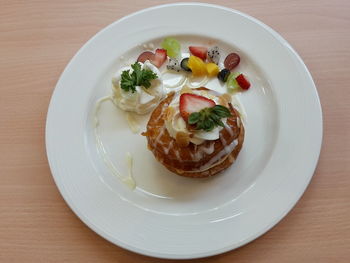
[[214, 54], [174, 64]]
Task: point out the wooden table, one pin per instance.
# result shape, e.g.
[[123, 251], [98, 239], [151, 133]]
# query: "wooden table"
[[38, 38]]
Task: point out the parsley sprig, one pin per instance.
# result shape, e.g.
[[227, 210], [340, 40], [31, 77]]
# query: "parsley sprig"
[[209, 118], [139, 77]]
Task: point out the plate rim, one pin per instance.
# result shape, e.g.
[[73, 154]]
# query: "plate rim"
[[210, 253]]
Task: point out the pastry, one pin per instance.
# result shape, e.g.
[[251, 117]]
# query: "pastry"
[[195, 149]]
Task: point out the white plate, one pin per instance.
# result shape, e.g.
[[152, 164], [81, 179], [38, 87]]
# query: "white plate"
[[169, 216]]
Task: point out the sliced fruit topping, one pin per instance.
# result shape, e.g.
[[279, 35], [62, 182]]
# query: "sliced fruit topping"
[[209, 118], [173, 64], [172, 46], [190, 103], [197, 66], [232, 84], [184, 64], [237, 81], [243, 81], [212, 69], [214, 54], [231, 61], [147, 55], [159, 57], [223, 75], [156, 59], [200, 52]]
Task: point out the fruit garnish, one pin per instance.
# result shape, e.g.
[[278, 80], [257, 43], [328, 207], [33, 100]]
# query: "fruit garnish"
[[232, 84], [209, 118], [197, 66], [173, 64], [214, 54], [159, 57], [190, 103], [237, 81], [156, 59], [172, 46], [200, 52], [212, 69], [184, 64], [139, 77], [223, 74], [231, 61], [243, 81], [147, 55]]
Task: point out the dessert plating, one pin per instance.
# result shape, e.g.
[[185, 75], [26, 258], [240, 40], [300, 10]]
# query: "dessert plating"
[[194, 132]]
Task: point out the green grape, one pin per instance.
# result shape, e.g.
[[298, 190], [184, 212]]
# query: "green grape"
[[172, 47], [232, 84]]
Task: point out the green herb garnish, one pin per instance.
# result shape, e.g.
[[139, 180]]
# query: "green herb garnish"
[[139, 77], [209, 118]]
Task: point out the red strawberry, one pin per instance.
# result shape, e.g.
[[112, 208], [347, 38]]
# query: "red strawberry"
[[159, 57], [200, 52], [190, 103], [147, 55], [243, 81]]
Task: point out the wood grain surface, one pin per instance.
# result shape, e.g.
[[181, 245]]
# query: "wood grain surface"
[[37, 40]]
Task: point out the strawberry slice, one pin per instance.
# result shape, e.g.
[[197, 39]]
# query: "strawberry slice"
[[200, 52], [156, 59], [243, 81], [190, 103], [147, 55], [159, 57]]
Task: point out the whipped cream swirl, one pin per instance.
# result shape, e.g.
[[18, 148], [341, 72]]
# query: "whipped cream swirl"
[[142, 100]]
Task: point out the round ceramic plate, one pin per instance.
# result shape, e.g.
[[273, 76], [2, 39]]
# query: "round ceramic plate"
[[167, 215]]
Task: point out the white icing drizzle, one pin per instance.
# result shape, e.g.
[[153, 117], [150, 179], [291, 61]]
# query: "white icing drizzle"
[[209, 149], [161, 115], [198, 155], [228, 129], [218, 158], [167, 149], [180, 83], [222, 139], [159, 136], [127, 180], [185, 80], [242, 113], [200, 84], [97, 108], [177, 154]]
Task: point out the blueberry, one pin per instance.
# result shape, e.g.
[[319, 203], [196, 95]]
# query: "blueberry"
[[223, 75], [184, 64]]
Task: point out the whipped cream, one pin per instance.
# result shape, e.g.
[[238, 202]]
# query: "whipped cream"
[[177, 123], [142, 100]]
